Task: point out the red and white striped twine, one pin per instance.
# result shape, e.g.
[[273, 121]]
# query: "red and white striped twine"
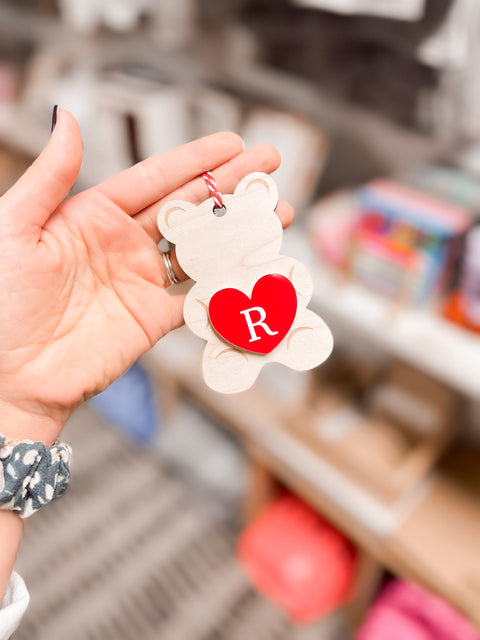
[[212, 187]]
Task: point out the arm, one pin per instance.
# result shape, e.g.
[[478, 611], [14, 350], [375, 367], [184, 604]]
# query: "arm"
[[82, 284], [11, 527]]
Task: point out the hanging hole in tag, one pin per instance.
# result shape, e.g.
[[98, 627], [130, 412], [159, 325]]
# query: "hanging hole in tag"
[[219, 211]]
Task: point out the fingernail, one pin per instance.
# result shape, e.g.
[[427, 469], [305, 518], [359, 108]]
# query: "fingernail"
[[54, 117]]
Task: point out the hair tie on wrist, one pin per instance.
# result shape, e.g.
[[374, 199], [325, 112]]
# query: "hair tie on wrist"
[[32, 474]]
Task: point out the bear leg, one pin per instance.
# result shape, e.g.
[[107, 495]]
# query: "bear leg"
[[229, 370]]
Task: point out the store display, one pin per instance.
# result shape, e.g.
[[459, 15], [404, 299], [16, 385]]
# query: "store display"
[[400, 241], [232, 252], [406, 241]]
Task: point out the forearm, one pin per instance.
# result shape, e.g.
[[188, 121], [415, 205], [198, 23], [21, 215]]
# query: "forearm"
[[11, 527], [19, 424]]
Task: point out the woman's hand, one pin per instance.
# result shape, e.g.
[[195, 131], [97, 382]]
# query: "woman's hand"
[[82, 283]]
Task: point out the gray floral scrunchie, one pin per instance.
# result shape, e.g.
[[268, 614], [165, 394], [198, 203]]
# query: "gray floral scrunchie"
[[32, 474]]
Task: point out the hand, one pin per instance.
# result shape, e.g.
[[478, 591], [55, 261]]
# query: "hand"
[[82, 284]]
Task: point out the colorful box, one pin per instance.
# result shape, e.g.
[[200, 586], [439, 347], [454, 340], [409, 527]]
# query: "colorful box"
[[406, 242]]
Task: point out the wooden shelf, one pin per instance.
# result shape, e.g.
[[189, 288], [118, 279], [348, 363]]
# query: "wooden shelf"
[[438, 544], [411, 536]]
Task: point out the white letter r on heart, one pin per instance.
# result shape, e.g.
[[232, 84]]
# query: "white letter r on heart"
[[259, 323]]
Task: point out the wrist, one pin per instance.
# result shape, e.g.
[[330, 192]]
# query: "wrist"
[[11, 527], [18, 423]]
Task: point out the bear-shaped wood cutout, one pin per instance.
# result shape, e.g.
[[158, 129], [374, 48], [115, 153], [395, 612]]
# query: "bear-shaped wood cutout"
[[249, 302]]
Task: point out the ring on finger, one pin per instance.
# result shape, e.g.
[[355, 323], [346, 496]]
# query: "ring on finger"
[[167, 260]]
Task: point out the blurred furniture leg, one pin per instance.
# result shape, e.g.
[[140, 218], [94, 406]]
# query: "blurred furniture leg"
[[261, 488], [367, 582], [170, 393]]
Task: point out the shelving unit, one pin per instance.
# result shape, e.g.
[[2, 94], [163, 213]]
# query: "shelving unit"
[[407, 536], [421, 337], [393, 147], [402, 535]]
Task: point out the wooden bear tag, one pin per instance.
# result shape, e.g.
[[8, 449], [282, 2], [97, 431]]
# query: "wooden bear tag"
[[249, 302]]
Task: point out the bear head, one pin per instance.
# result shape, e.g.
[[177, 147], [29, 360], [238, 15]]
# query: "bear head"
[[212, 242]]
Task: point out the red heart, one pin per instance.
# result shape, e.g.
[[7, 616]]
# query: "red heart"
[[258, 323]]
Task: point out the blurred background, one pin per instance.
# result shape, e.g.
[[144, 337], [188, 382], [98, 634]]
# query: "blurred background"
[[337, 504]]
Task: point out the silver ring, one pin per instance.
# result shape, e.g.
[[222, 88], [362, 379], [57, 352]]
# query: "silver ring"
[[169, 268]]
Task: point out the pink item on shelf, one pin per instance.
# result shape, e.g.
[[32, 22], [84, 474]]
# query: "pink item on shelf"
[[404, 609], [390, 624], [332, 222]]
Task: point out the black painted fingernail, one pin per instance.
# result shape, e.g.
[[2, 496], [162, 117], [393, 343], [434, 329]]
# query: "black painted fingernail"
[[54, 117]]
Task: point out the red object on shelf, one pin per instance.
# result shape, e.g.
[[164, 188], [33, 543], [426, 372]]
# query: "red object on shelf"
[[298, 559]]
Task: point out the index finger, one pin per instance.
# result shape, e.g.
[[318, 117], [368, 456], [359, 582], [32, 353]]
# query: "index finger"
[[153, 178]]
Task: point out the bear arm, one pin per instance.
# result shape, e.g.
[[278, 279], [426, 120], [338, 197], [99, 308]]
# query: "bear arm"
[[195, 312], [298, 275]]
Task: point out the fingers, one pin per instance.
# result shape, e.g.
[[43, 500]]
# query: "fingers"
[[31, 200], [263, 157], [285, 212], [154, 178]]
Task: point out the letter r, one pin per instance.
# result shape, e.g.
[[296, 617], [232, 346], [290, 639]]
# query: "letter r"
[[259, 323]]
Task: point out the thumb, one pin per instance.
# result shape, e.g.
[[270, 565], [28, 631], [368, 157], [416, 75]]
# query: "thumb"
[[33, 198]]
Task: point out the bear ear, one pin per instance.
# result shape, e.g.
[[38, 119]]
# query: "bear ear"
[[260, 182], [173, 215]]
